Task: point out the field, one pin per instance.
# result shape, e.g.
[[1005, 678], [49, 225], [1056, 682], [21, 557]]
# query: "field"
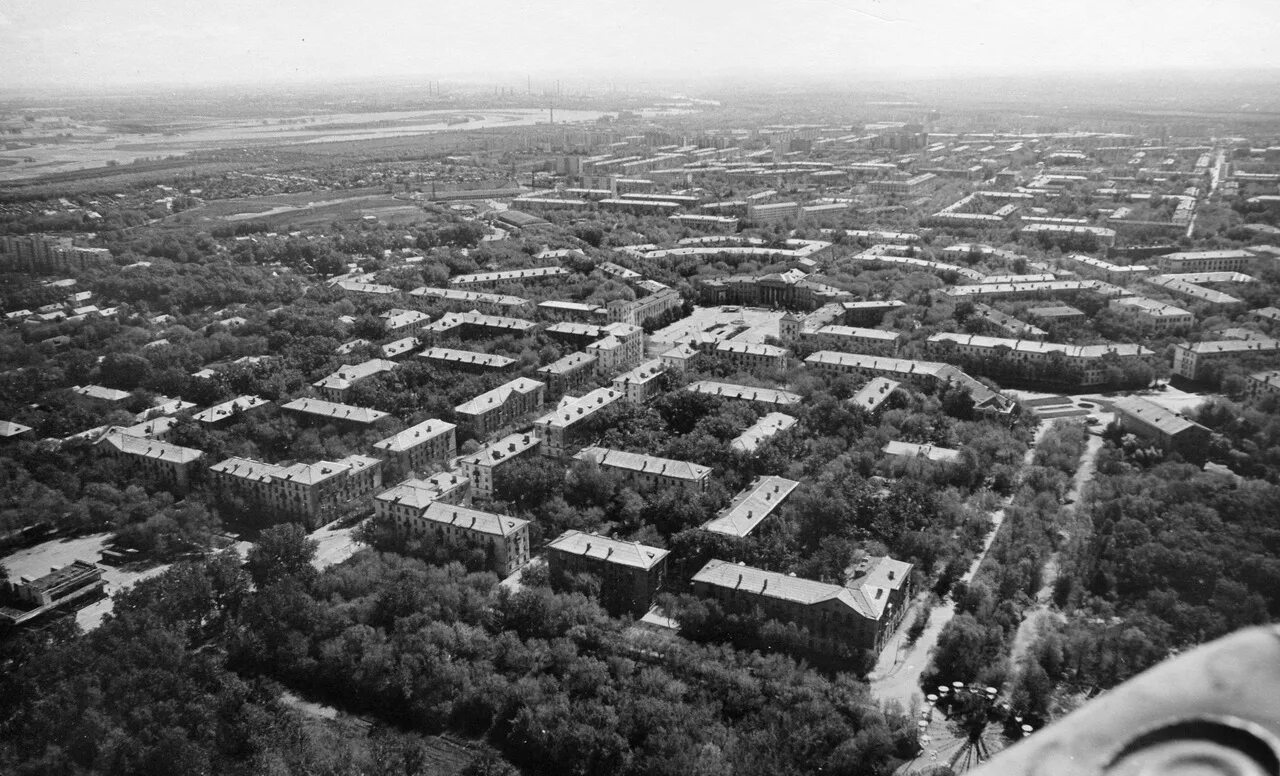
[[305, 209]]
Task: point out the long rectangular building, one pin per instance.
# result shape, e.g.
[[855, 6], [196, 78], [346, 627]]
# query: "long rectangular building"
[[532, 274], [630, 574], [482, 466], [502, 406], [738, 392], [313, 493], [419, 447], [565, 429], [1089, 359], [646, 471], [461, 301], [468, 360], [749, 508]]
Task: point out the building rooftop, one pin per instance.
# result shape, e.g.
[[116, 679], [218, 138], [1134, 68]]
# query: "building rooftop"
[[772, 584], [143, 447], [511, 274], [1037, 346], [649, 464], [456, 295], [229, 408], [467, 357], [499, 396], [413, 436], [9, 429], [914, 450], [475, 520], [766, 427], [564, 364], [100, 393], [607, 550], [572, 410], [874, 393], [1153, 414], [505, 448], [475, 318], [744, 392], [419, 493], [330, 409], [750, 507]]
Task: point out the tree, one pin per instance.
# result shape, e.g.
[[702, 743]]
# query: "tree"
[[282, 551]]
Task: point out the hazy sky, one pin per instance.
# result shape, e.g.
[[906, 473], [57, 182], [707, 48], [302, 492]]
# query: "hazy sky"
[[109, 42]]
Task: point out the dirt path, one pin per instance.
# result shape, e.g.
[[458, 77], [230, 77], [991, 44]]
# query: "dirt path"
[[896, 676], [1032, 618]]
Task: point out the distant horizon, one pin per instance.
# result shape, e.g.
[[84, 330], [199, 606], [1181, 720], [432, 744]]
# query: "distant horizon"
[[147, 44]]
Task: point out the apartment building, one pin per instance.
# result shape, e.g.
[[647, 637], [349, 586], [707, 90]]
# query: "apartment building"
[[466, 360], [647, 472], [482, 465], [397, 319], [1193, 360], [851, 339], [872, 396], [529, 275], [313, 493], [1162, 316], [637, 312], [573, 421], [935, 372], [751, 507], [461, 301], [765, 428], [407, 498], [503, 406], [168, 463], [474, 324], [219, 413], [837, 619], [869, 313], [621, 348], [418, 448], [503, 539], [1207, 261], [630, 574], [556, 310], [1091, 360], [642, 383], [568, 373], [321, 410], [738, 392], [335, 386], [753, 357], [1264, 383]]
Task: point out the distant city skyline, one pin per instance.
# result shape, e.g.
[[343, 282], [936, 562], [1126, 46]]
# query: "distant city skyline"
[[136, 42]]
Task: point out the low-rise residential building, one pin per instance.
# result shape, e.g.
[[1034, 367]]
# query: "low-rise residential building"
[[407, 498], [852, 339], [475, 324], [397, 319], [984, 398], [1193, 360], [1165, 428], [1158, 314], [11, 431], [621, 348], [642, 383], [837, 620], [765, 428], [314, 493], [418, 448], [1059, 314], [1210, 296], [872, 396], [869, 313], [557, 310], [1265, 383], [529, 275], [752, 356], [482, 465], [168, 463], [1003, 324], [1207, 261], [321, 410], [503, 539], [400, 348], [335, 386], [573, 421], [229, 409], [466, 360], [750, 507], [680, 357], [648, 472], [630, 574], [100, 394], [1090, 360], [737, 392], [568, 373], [495, 304], [503, 406], [661, 302]]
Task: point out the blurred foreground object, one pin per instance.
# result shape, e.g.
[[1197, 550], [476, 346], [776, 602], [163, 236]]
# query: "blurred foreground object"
[[1213, 711]]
